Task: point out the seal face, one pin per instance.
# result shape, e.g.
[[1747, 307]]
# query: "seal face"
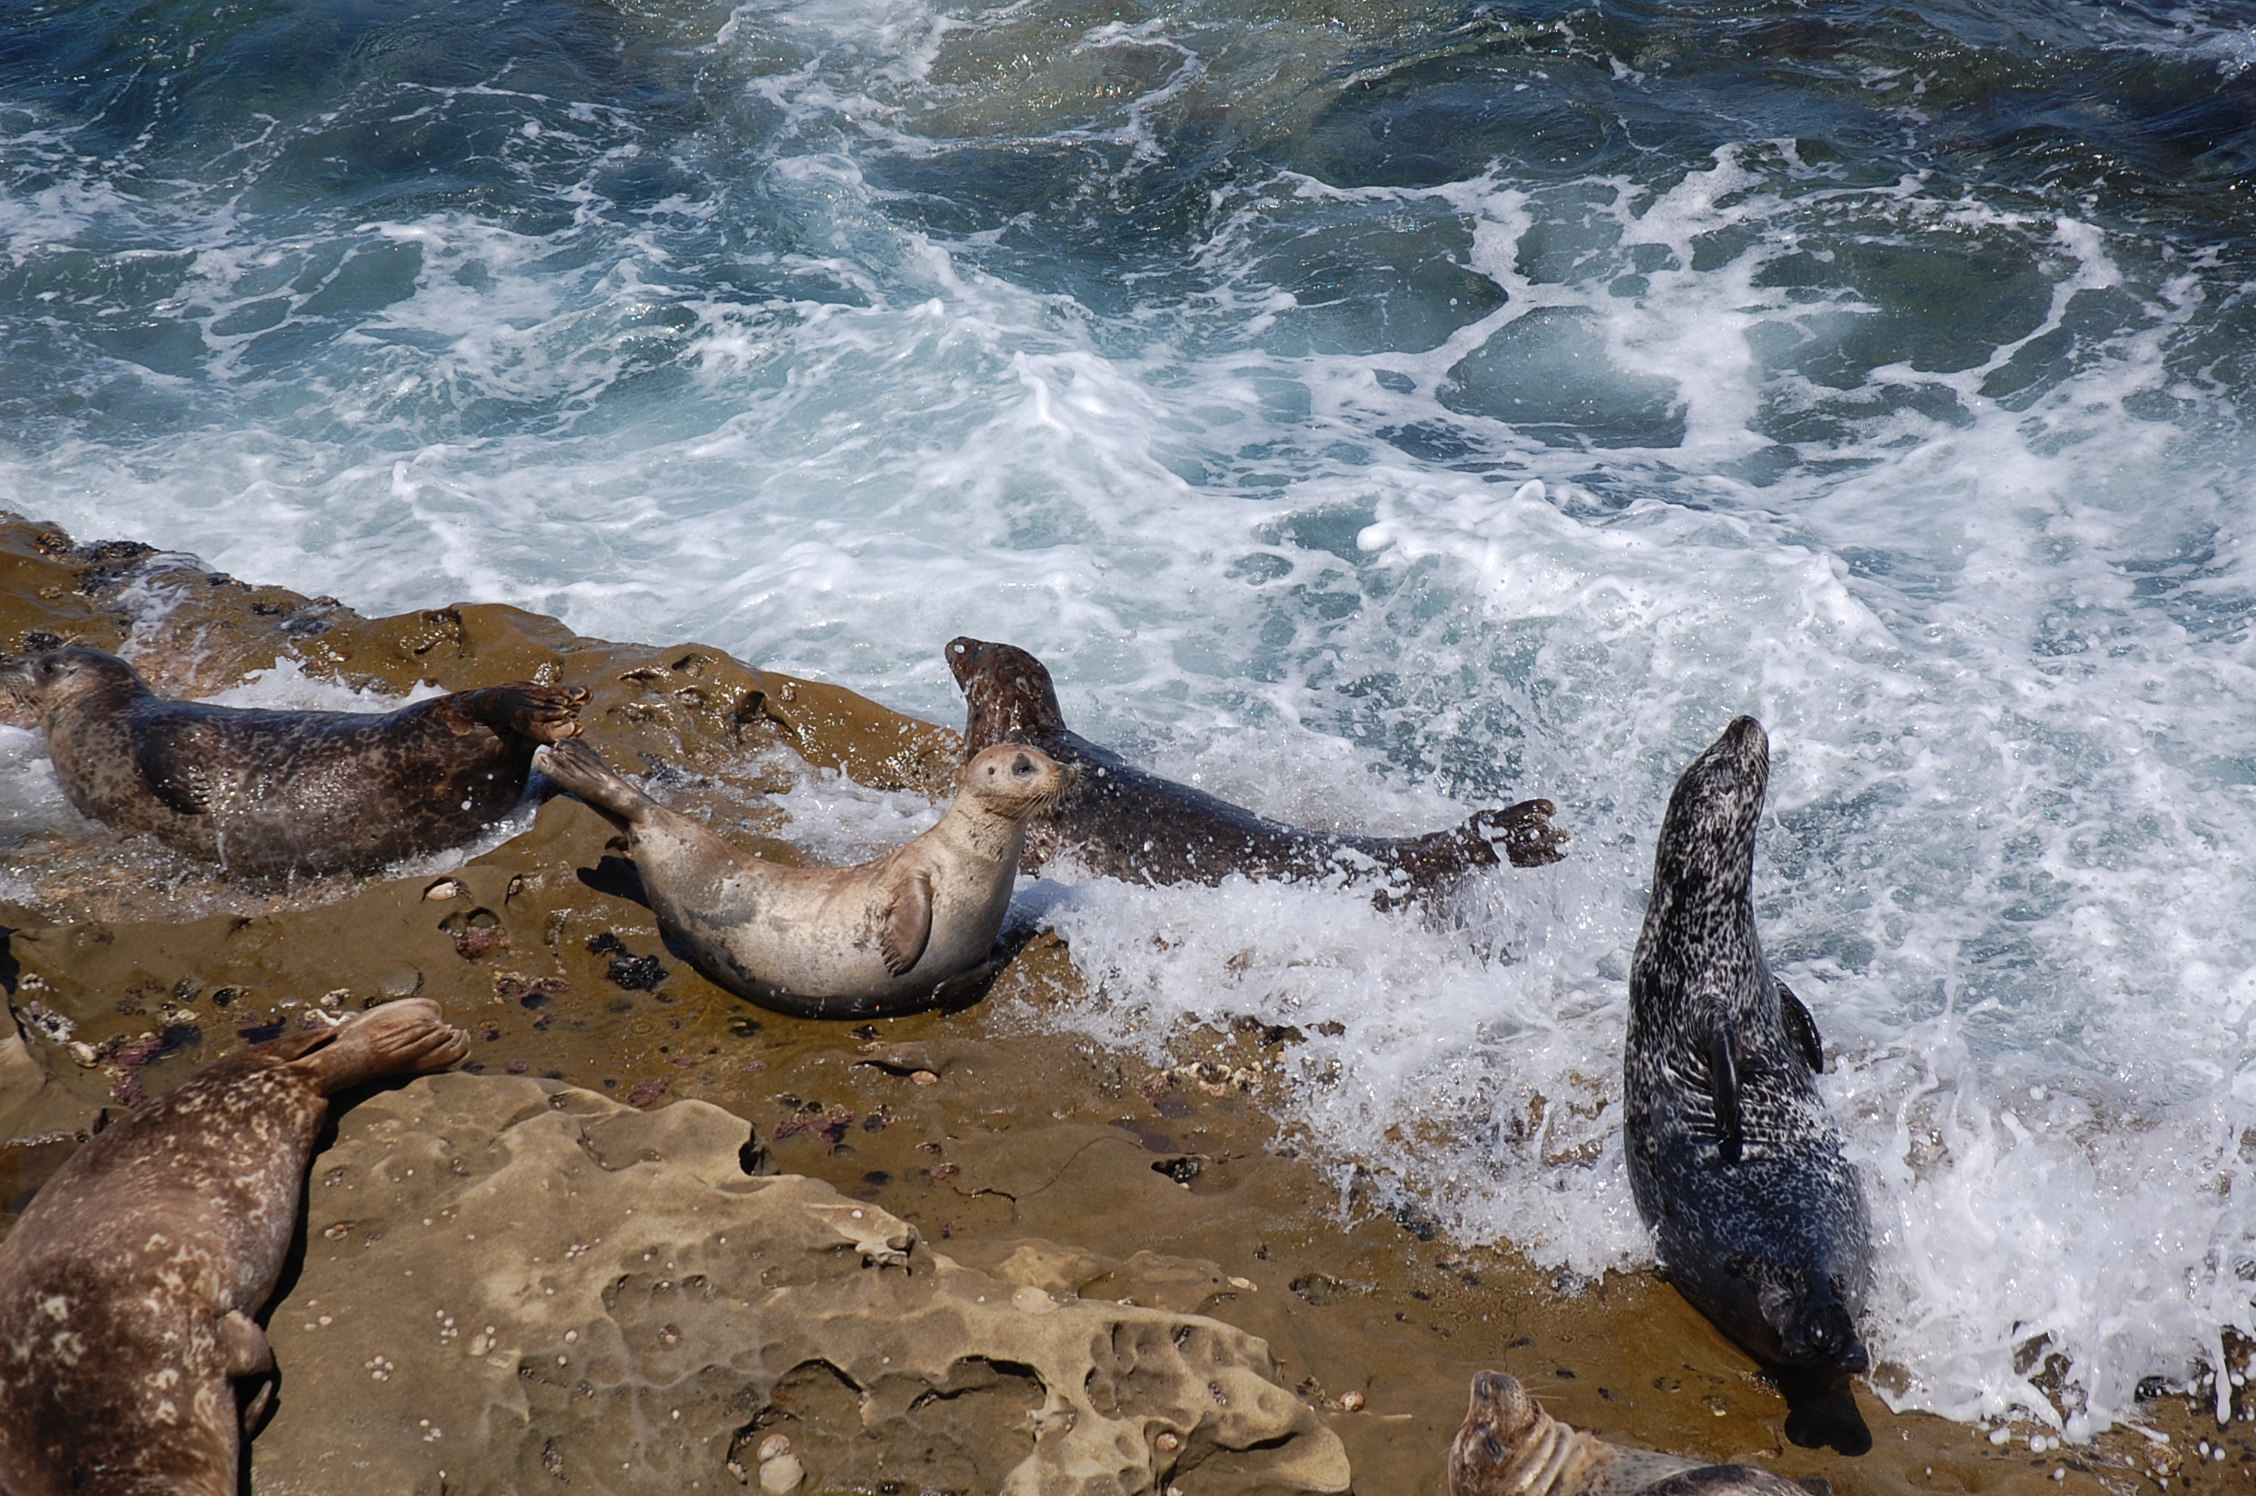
[[127, 1287], [1508, 1446], [899, 934], [270, 794], [1121, 821], [1736, 1167]]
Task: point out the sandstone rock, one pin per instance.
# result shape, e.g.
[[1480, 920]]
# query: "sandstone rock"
[[513, 1285]]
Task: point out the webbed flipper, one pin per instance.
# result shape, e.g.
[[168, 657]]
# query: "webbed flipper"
[[906, 926], [1801, 1028], [1723, 1087], [174, 755]]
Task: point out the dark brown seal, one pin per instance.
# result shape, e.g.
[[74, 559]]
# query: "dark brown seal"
[[1124, 822], [1757, 1217], [128, 1286], [269, 794], [1509, 1446]]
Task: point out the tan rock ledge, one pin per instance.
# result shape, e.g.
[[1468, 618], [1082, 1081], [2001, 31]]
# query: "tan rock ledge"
[[516, 1285]]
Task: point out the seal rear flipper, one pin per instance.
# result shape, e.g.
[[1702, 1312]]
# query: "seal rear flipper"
[[1801, 1028], [582, 771], [1526, 832], [406, 1037], [1723, 1088], [520, 709], [174, 755], [905, 927], [1821, 1410]]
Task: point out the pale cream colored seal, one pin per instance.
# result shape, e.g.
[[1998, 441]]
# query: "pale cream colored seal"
[[896, 935], [1510, 1447]]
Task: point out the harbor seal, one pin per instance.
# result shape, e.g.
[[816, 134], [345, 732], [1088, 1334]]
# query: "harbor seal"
[[1124, 822], [900, 934], [1756, 1217], [128, 1285], [270, 794], [1509, 1446]]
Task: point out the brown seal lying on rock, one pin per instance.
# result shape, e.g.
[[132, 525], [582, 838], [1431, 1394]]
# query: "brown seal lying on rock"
[[267, 794], [127, 1288], [1510, 1447], [1124, 822], [897, 935]]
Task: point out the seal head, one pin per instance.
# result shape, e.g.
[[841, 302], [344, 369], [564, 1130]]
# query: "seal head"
[[1735, 1165], [1124, 822], [271, 794]]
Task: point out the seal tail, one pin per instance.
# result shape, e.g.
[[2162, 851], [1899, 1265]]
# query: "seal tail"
[[407, 1037], [520, 709], [582, 771]]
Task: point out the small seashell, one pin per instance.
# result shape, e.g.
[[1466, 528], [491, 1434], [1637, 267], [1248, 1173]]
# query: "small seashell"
[[1351, 1402], [445, 888], [924, 1078], [782, 1475], [774, 1446], [1168, 1441]]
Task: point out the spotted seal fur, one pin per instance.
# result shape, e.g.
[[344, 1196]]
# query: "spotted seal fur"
[[1128, 823], [1508, 1446], [1737, 1169], [128, 1285], [896, 935], [270, 794]]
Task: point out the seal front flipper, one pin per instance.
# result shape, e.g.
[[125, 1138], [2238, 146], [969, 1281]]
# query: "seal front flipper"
[[905, 928], [1723, 1088], [576, 767], [175, 756], [1801, 1028], [243, 1349]]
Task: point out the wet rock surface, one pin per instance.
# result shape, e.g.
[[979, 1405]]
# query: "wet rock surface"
[[1031, 1156], [509, 1283]]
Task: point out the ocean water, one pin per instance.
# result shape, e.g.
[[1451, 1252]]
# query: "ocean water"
[[1371, 413]]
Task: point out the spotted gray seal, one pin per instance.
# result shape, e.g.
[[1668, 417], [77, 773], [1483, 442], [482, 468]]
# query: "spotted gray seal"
[[1125, 822], [1736, 1168], [1508, 1446], [269, 794], [896, 935], [128, 1285]]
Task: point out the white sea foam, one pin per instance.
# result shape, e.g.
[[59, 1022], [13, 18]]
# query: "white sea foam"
[[1381, 500]]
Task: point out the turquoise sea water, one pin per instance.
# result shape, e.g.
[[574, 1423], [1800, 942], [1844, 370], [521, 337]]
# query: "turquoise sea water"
[[1372, 413]]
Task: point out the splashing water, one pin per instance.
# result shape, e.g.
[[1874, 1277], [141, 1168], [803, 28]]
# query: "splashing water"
[[1367, 417]]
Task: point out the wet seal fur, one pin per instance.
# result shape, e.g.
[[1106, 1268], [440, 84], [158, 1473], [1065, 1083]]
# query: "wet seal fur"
[[127, 1287], [1736, 1167], [1509, 1446], [269, 794], [900, 934], [1124, 822]]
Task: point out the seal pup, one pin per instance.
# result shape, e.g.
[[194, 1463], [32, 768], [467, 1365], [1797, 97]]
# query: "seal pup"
[[900, 934], [1508, 1446], [1124, 822], [1736, 1168], [128, 1285], [268, 794]]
